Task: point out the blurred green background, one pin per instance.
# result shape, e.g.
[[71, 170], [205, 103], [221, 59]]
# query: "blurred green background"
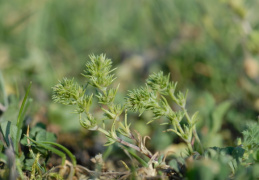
[[210, 47]]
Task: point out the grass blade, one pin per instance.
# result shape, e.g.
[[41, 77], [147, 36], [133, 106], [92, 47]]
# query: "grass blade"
[[20, 119]]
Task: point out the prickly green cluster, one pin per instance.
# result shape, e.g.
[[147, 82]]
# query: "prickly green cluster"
[[68, 92], [99, 74], [142, 99], [98, 71], [154, 97], [159, 82]]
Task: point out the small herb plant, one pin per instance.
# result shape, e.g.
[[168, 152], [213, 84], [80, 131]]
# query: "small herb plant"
[[152, 96], [156, 96]]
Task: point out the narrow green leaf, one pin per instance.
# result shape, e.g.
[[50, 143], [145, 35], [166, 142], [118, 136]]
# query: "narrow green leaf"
[[54, 150], [71, 156], [20, 120]]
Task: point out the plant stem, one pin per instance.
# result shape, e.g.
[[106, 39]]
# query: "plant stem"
[[119, 140], [179, 127], [190, 147], [102, 131], [193, 129], [189, 121]]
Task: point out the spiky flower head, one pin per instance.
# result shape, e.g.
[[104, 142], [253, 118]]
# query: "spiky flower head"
[[99, 71], [67, 92], [159, 82], [141, 99]]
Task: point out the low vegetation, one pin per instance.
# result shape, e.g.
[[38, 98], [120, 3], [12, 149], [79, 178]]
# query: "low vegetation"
[[25, 151]]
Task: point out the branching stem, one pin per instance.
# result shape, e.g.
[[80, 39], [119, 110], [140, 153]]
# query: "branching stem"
[[194, 132], [193, 129], [119, 140]]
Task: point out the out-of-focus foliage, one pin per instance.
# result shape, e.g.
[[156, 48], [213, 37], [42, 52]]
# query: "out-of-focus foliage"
[[209, 47], [250, 142]]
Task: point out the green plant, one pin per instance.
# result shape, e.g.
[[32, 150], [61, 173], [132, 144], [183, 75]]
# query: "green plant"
[[20, 153], [156, 96], [11, 132], [99, 74]]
